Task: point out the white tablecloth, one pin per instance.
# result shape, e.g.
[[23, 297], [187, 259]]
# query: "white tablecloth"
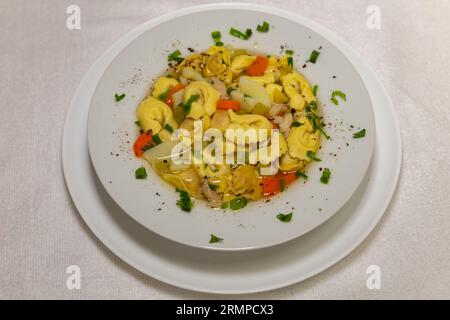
[[41, 233]]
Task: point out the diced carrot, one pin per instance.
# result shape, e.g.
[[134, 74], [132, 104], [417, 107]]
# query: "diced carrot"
[[169, 99], [227, 104], [258, 67], [145, 139], [274, 126], [274, 184]]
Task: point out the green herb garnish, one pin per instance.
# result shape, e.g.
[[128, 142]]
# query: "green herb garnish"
[[119, 97], [315, 90], [264, 27], [140, 173], [282, 184], [175, 56], [213, 187], [156, 139], [215, 239], [216, 35], [296, 124], [168, 127], [238, 203], [219, 43], [312, 155], [340, 94], [229, 90], [241, 35], [224, 205], [359, 134], [164, 94], [314, 55], [290, 61], [298, 173], [138, 123], [326, 173], [284, 217], [185, 203], [187, 105], [314, 118], [290, 52]]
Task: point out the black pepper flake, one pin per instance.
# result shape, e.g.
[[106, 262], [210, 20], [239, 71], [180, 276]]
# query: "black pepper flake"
[[334, 77], [304, 66]]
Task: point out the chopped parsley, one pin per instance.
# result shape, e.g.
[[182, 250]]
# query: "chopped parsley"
[[284, 217], [185, 203], [314, 55], [217, 36], [175, 56], [315, 90], [140, 173], [298, 173], [337, 93], [163, 95], [187, 105], [264, 27], [119, 97], [312, 155], [157, 139], [215, 239], [359, 134], [241, 35], [238, 203], [296, 124], [168, 127], [326, 173], [290, 52]]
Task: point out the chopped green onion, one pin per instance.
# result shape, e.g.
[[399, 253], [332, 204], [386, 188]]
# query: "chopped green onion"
[[219, 43], [296, 124], [315, 90], [314, 118], [185, 203], [164, 94], [119, 97], [264, 27], [290, 61], [284, 217], [238, 203], [224, 205], [298, 173], [215, 239], [138, 123], [187, 105], [216, 35], [312, 155], [168, 127], [326, 173], [229, 90], [338, 93], [156, 139], [140, 173], [290, 52], [241, 35], [359, 134], [314, 55], [175, 56]]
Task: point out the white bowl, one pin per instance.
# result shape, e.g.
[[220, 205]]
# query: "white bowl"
[[152, 202]]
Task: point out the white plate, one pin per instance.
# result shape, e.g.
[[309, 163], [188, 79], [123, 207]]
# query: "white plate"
[[232, 272], [111, 129]]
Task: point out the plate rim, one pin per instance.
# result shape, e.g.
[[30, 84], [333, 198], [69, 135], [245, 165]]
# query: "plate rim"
[[342, 254]]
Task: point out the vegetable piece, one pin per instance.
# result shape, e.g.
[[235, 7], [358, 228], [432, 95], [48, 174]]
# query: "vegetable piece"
[[255, 90], [277, 183], [168, 127], [326, 173], [284, 217], [298, 173], [187, 105], [238, 203], [168, 99], [227, 104], [215, 239], [143, 142], [157, 139], [338, 93], [314, 55], [140, 173], [185, 203], [217, 36], [119, 97], [312, 155], [315, 90], [175, 56], [264, 27], [359, 134], [290, 61], [224, 205], [258, 67], [289, 52], [241, 35]]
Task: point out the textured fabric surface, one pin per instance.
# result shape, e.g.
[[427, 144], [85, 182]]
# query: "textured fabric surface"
[[41, 233]]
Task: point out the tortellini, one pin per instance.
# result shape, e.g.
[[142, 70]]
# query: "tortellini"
[[276, 94], [303, 139], [216, 174], [218, 63], [162, 85], [185, 180], [154, 114], [248, 121], [240, 63], [245, 181], [206, 102], [298, 90]]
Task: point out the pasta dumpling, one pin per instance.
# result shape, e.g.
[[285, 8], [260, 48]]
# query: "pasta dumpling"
[[302, 139], [298, 90], [162, 85], [153, 114], [206, 102], [240, 63]]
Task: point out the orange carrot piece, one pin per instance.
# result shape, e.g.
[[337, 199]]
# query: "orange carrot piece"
[[227, 104], [258, 67], [141, 142]]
